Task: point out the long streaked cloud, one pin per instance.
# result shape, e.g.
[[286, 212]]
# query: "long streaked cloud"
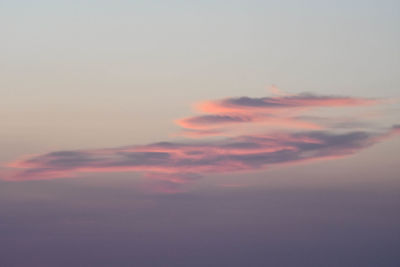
[[180, 162], [172, 164], [279, 111], [241, 104]]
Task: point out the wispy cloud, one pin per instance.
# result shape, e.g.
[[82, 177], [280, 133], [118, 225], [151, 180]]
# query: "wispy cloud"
[[172, 164], [279, 111], [241, 104]]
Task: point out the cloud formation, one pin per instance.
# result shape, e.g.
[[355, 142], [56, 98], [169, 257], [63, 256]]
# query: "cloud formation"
[[279, 111], [241, 104], [175, 163]]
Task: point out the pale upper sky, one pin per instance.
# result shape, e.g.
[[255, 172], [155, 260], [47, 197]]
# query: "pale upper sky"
[[127, 69]]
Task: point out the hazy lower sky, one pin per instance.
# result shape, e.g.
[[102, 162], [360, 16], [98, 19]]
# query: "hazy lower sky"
[[208, 133]]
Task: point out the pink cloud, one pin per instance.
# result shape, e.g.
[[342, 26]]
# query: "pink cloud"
[[182, 162], [304, 100], [170, 165], [279, 111]]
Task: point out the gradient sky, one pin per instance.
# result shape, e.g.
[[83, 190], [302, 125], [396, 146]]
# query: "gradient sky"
[[208, 133]]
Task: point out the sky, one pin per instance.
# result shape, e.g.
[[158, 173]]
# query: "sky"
[[199, 133]]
